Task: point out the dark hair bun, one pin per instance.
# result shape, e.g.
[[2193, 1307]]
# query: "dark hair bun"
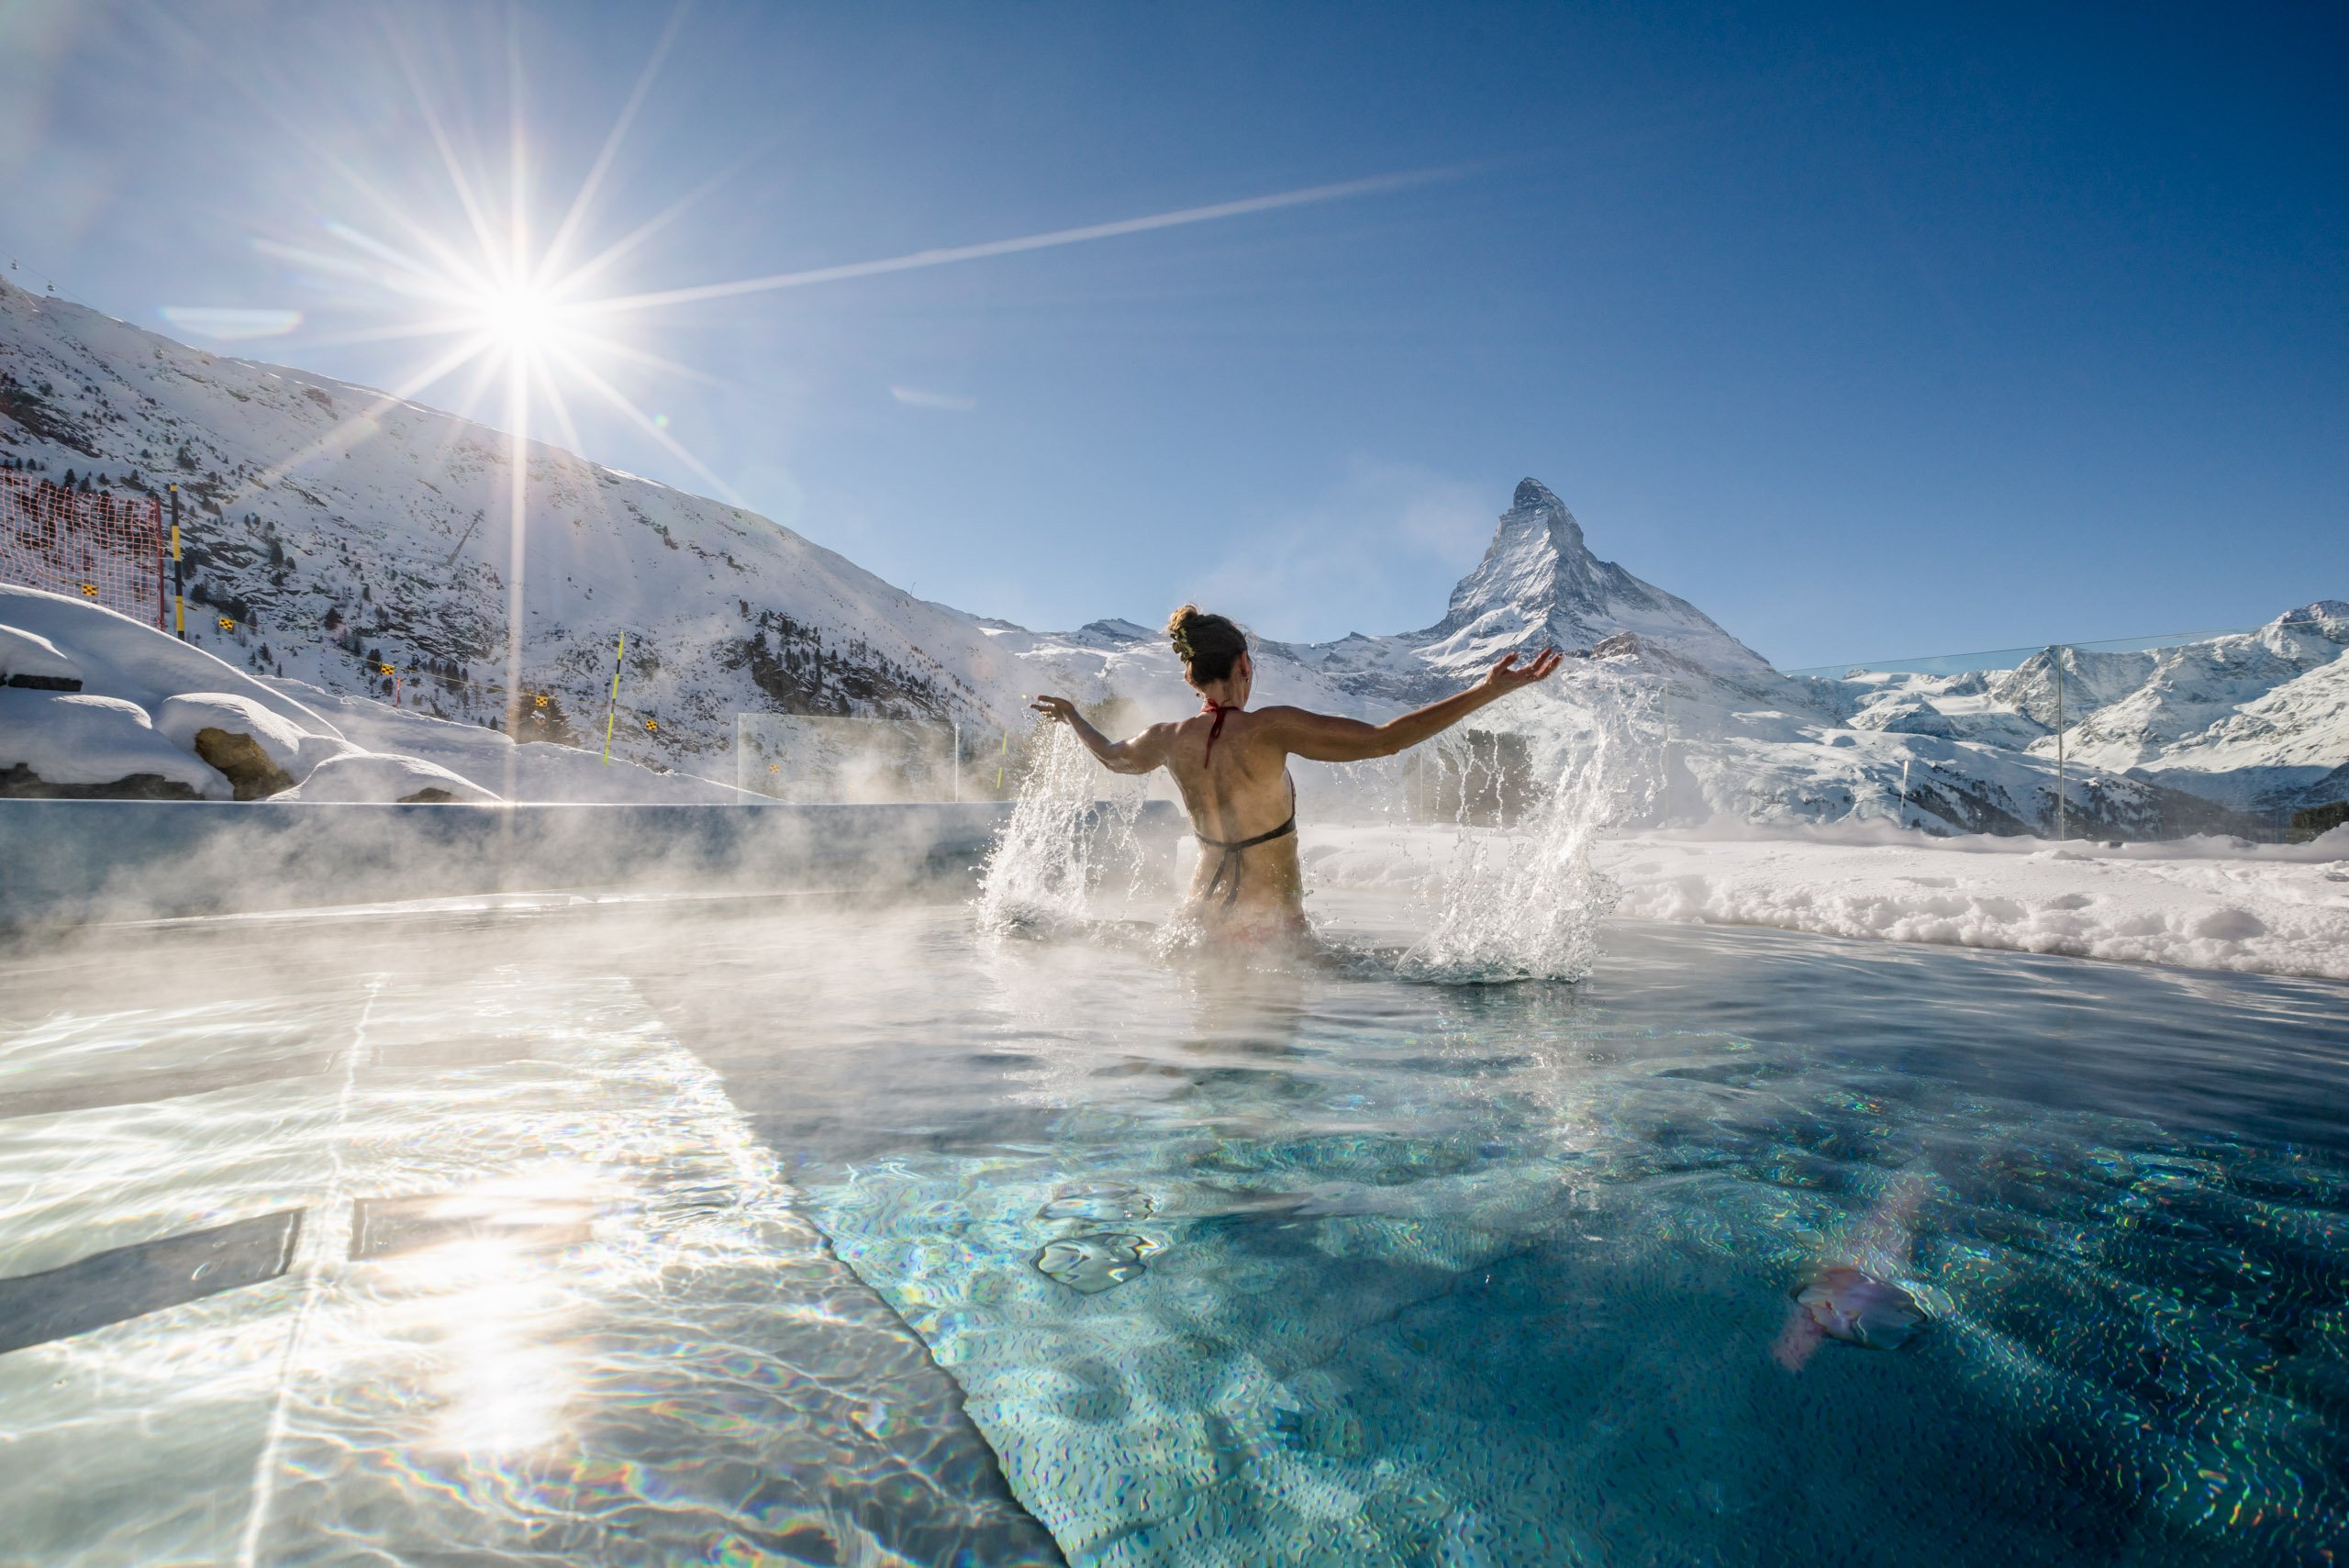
[[1208, 645]]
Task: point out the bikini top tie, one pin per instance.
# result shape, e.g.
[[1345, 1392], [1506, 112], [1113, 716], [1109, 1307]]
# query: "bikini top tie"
[[1218, 709]]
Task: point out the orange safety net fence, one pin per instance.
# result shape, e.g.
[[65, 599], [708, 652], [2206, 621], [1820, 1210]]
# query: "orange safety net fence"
[[106, 548]]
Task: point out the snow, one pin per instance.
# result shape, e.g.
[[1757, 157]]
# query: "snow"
[[2200, 903], [538, 770], [146, 695], [363, 775], [131, 660], [180, 718], [342, 530], [83, 738], [27, 657]]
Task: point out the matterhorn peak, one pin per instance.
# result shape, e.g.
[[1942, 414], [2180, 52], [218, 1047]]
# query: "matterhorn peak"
[[1535, 512], [1539, 583]]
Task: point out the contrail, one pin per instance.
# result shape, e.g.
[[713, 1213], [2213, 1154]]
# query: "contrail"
[[1058, 236]]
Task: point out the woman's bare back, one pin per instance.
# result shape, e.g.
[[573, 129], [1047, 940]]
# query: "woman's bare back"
[[1242, 805]]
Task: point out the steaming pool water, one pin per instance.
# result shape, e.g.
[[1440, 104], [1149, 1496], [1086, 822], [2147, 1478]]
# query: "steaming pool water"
[[807, 1231]]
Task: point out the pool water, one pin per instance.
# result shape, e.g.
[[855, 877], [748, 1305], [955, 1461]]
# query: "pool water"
[[785, 1231]]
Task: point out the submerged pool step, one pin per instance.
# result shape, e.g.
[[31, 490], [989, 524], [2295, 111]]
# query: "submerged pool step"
[[124, 1283]]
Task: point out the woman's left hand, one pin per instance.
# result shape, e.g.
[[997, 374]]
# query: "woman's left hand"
[[1059, 709], [1508, 674]]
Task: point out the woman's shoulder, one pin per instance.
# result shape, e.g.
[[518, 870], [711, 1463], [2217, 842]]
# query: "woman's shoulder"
[[1283, 716]]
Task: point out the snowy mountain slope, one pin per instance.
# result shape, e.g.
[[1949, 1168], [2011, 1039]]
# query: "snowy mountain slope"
[[2254, 723], [341, 530], [2251, 720]]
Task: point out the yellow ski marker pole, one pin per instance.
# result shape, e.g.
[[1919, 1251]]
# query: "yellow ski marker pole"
[[179, 571], [1002, 756], [613, 710]]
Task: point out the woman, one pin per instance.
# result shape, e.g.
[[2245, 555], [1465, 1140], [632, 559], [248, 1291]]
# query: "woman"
[[1231, 764]]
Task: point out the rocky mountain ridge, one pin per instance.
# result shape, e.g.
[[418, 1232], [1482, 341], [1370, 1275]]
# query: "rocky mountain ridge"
[[340, 530]]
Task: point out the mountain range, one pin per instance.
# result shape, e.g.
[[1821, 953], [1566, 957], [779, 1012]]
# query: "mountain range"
[[337, 531]]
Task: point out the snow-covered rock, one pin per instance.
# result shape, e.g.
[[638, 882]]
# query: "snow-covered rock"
[[181, 719], [129, 658], [85, 743], [368, 775]]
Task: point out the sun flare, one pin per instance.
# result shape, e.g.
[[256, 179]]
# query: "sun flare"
[[522, 318]]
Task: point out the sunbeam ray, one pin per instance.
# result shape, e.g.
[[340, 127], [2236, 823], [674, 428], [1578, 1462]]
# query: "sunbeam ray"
[[393, 332], [515, 271], [342, 434], [484, 231], [579, 275], [618, 399], [567, 231], [618, 350], [469, 280]]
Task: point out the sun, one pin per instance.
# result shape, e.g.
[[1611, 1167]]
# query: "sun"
[[522, 318]]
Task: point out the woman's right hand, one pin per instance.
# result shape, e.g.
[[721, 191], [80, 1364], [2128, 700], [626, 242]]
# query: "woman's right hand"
[[1059, 709]]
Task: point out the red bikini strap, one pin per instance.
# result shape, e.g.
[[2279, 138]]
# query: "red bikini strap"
[[1218, 709]]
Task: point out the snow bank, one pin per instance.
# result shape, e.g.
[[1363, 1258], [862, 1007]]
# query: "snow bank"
[[146, 696], [28, 659], [129, 658], [82, 739], [538, 770], [2206, 903], [366, 776]]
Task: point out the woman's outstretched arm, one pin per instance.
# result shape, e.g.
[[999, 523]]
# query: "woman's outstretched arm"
[[1139, 755], [1324, 738]]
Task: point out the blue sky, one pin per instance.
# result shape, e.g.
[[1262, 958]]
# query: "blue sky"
[[1871, 331]]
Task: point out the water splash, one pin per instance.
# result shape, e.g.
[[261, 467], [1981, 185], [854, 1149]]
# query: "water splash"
[[1066, 836], [1527, 904]]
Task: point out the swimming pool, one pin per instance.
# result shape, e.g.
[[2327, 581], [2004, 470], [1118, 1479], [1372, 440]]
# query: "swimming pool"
[[800, 1230]]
